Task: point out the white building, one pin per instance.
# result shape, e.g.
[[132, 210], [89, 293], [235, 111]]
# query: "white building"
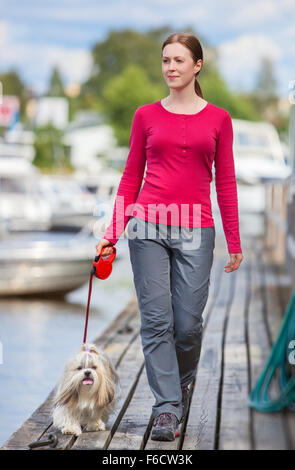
[[90, 142], [52, 110]]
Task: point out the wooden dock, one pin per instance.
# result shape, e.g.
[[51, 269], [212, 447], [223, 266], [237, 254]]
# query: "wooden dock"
[[241, 321]]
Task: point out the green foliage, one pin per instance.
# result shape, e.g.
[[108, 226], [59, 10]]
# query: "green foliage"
[[56, 87], [13, 85], [216, 91], [117, 51], [123, 94], [266, 82], [50, 150]]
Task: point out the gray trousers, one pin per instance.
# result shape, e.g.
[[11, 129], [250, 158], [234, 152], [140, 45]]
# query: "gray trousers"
[[171, 269]]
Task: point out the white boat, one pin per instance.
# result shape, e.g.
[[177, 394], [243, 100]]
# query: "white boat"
[[72, 205], [20, 205], [104, 183], [45, 262], [259, 155]]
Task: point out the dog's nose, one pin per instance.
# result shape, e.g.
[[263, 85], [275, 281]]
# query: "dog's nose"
[[87, 373]]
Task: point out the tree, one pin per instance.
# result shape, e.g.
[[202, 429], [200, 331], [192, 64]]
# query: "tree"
[[12, 84], [123, 94], [56, 87], [216, 91], [50, 150], [266, 82]]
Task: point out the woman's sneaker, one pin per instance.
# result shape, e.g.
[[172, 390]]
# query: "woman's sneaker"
[[165, 427], [185, 401]]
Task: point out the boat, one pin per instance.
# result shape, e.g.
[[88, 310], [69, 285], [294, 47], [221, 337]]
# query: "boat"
[[34, 263], [258, 152], [72, 205], [20, 205], [259, 157]]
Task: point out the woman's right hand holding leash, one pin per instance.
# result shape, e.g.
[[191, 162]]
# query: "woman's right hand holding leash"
[[101, 244]]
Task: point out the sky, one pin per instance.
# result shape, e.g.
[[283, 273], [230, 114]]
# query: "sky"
[[35, 36]]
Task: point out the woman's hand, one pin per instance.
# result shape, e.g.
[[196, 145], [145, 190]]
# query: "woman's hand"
[[103, 242], [234, 263]]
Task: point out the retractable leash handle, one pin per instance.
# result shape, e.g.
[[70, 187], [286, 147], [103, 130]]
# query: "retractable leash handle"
[[101, 268]]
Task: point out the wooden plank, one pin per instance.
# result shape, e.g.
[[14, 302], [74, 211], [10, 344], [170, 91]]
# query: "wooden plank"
[[202, 420], [267, 428], [131, 433], [40, 420], [234, 430], [275, 315]]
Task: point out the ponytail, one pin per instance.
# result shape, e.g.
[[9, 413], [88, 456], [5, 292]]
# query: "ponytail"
[[198, 89]]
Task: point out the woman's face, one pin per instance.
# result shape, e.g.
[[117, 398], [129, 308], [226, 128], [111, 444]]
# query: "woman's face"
[[177, 62]]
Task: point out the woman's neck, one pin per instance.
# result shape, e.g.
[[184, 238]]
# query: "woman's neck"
[[180, 104]]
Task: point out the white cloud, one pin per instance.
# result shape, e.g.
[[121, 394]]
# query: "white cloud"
[[4, 32], [36, 61], [247, 15], [239, 59]]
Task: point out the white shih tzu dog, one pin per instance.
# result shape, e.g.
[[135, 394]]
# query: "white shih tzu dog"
[[86, 392]]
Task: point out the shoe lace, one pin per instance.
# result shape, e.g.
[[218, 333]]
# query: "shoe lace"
[[164, 418]]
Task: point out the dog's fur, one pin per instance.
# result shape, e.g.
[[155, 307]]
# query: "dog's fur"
[[86, 392]]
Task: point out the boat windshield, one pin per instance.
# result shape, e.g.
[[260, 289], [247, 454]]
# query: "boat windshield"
[[247, 139]]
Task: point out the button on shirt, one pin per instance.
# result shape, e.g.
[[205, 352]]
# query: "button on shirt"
[[178, 151]]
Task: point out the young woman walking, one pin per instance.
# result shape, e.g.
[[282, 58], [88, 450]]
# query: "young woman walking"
[[179, 137]]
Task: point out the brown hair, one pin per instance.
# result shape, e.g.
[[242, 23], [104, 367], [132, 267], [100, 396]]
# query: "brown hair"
[[193, 44]]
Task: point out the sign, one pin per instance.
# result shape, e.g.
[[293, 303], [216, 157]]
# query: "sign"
[[9, 110]]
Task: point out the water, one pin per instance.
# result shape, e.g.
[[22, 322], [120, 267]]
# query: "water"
[[38, 336]]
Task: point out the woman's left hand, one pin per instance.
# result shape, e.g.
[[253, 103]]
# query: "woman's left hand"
[[234, 263]]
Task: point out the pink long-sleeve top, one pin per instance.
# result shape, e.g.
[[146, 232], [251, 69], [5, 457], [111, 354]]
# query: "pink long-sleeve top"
[[178, 151]]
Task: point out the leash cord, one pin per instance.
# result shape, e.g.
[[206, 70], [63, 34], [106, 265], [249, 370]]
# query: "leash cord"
[[87, 311]]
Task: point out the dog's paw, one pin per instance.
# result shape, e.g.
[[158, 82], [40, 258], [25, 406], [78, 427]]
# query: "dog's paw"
[[98, 425], [101, 425], [75, 430]]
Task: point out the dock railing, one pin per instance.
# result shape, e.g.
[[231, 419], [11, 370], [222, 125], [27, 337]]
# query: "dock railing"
[[280, 223]]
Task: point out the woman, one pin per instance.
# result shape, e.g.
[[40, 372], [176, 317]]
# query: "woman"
[[179, 138]]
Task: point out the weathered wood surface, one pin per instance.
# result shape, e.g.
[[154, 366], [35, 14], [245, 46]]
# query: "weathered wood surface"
[[241, 320]]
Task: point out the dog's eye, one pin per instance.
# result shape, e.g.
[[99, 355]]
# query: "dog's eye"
[[79, 368], [94, 367]]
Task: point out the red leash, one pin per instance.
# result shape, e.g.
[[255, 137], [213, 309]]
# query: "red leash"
[[101, 268]]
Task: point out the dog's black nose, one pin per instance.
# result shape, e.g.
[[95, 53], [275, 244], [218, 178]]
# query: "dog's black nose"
[[87, 373]]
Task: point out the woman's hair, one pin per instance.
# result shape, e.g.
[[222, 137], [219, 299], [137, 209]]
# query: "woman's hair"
[[193, 45]]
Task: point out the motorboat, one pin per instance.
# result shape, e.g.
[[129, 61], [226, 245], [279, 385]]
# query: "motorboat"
[[72, 205], [20, 205], [258, 153], [46, 262], [104, 183], [259, 157]]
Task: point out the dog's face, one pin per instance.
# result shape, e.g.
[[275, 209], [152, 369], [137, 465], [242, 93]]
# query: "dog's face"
[[88, 375], [85, 370]]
